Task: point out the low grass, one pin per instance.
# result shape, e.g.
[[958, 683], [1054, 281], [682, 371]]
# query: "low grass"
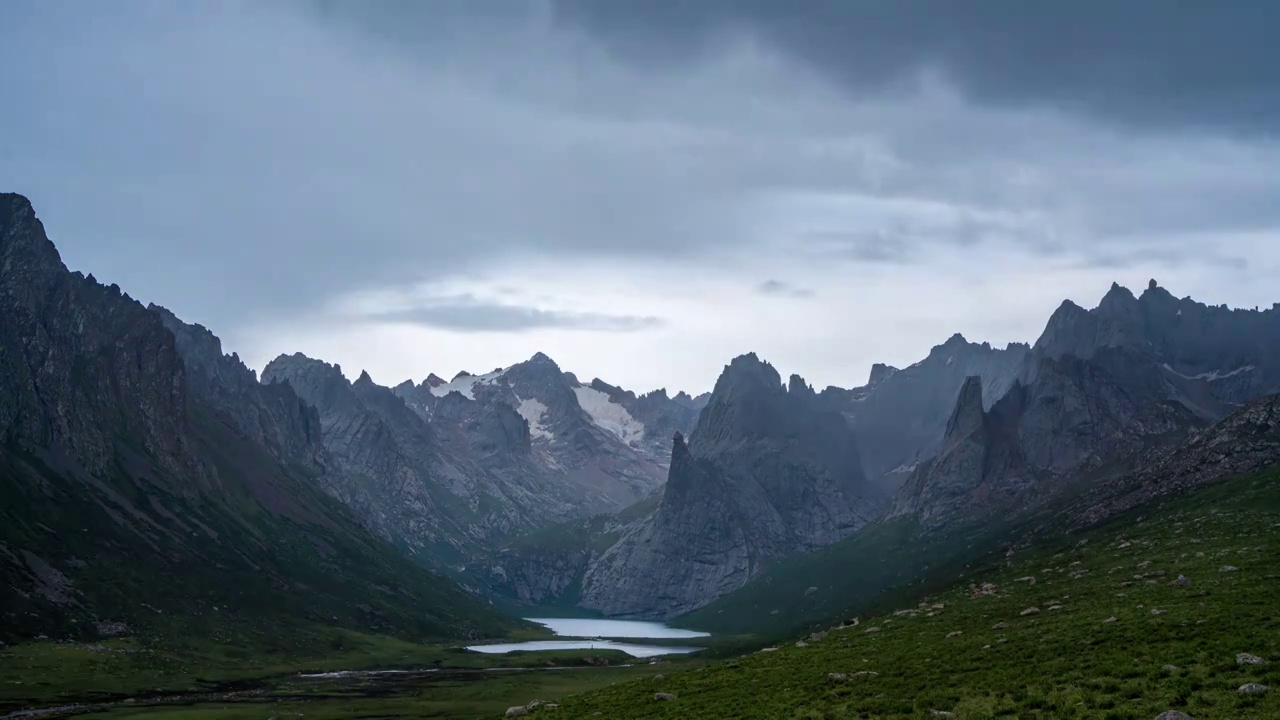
[[950, 653], [460, 696]]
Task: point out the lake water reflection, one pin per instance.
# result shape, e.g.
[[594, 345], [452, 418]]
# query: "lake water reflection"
[[591, 634]]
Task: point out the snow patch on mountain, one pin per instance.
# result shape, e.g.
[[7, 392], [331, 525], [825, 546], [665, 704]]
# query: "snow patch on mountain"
[[1211, 376], [532, 410], [610, 415], [466, 384]]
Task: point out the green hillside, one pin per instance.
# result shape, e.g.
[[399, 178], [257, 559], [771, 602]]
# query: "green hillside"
[[988, 655]]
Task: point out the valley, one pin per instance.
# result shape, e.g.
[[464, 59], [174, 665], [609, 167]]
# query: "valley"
[[182, 537]]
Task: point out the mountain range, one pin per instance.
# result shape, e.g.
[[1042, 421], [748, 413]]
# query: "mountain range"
[[129, 439]]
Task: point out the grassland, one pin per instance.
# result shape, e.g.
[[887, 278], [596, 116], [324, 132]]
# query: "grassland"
[[162, 678], [1168, 647]]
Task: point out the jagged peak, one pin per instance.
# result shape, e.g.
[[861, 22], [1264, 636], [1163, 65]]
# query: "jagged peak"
[[17, 211], [434, 380], [679, 446], [299, 360], [659, 393], [797, 386], [955, 343], [462, 374], [1118, 298], [747, 367], [364, 378], [541, 358], [880, 371], [967, 414]]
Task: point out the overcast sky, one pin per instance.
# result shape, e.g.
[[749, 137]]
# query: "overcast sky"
[[643, 190]]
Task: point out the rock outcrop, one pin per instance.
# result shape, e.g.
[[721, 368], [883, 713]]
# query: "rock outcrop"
[[769, 471], [1076, 417], [900, 415], [1246, 441]]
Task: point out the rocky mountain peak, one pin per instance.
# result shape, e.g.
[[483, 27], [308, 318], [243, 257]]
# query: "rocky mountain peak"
[[797, 386], [297, 365], [24, 247], [434, 380], [540, 358], [747, 371], [659, 394], [966, 417], [880, 371], [462, 374], [364, 378]]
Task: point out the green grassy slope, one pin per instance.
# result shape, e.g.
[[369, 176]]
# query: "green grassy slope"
[[1169, 647], [880, 562]]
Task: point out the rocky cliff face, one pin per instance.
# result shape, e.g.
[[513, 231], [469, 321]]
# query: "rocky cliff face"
[[770, 470], [1244, 442], [1100, 388], [582, 444], [389, 466], [83, 365], [1077, 417], [1216, 358], [272, 415], [900, 415], [136, 487]]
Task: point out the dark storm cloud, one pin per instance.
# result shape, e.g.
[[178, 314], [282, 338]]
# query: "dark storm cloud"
[[782, 289], [464, 313], [247, 163], [1214, 63]]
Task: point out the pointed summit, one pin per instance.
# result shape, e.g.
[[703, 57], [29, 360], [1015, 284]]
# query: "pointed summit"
[[797, 386], [434, 380], [541, 358], [966, 418]]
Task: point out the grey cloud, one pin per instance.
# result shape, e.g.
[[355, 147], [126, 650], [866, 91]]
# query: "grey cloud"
[[240, 160], [777, 287], [1139, 62], [464, 313]]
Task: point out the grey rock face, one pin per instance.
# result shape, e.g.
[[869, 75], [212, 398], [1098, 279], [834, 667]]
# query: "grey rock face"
[[391, 466], [900, 415], [270, 415], [597, 464], [1076, 416], [81, 364], [1246, 441], [769, 471], [1217, 357]]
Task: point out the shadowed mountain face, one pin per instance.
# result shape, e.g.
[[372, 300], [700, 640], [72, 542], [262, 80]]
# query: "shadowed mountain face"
[[143, 474], [1213, 358], [900, 415], [770, 470], [1100, 388]]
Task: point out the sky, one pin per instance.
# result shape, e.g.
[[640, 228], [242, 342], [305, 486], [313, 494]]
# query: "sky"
[[644, 190]]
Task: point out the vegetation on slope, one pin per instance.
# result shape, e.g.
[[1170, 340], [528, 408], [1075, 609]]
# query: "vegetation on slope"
[[268, 554], [1113, 634]]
